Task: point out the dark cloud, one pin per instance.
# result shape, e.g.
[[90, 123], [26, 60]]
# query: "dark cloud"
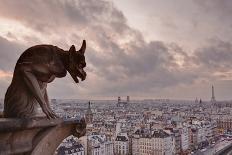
[[217, 56], [10, 51], [119, 60], [220, 8], [146, 68], [50, 16]]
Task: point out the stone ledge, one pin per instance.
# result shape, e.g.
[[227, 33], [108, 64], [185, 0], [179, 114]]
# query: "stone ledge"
[[31, 136], [13, 124]]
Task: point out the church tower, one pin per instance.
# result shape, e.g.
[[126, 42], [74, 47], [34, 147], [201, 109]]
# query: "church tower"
[[128, 99], [89, 115]]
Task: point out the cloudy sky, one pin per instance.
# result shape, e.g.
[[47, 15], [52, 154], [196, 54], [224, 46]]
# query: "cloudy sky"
[[143, 48]]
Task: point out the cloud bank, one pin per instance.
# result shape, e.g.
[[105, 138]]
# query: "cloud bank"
[[119, 60]]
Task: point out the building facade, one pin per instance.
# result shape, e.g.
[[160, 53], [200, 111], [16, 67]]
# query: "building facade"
[[157, 142], [99, 145], [121, 144]]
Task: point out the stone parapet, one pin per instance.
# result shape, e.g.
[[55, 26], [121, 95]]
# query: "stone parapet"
[[37, 136]]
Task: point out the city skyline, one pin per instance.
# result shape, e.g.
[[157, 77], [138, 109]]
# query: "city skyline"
[[138, 48]]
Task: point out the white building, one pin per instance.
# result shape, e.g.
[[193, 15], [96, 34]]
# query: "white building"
[[203, 132], [121, 144], [184, 133], [99, 145], [146, 142]]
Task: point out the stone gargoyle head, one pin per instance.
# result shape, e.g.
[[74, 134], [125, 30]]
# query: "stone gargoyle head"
[[77, 62]]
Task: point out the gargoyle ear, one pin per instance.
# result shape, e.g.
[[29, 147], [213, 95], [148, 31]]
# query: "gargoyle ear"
[[72, 49], [72, 52], [83, 47]]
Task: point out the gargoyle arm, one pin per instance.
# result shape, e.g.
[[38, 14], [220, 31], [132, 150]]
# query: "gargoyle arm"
[[34, 87], [48, 104]]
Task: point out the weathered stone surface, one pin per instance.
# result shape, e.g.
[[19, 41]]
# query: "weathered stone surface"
[[35, 68], [37, 136], [13, 124]]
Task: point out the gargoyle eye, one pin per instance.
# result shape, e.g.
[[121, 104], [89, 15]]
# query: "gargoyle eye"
[[83, 64], [80, 66]]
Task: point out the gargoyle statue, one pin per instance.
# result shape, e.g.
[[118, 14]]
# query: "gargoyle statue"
[[36, 67]]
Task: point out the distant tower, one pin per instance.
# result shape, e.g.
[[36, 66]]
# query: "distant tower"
[[122, 103], [196, 100], [200, 104], [89, 115], [128, 99], [213, 100], [119, 99]]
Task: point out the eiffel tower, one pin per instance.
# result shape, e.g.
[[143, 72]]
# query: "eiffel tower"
[[213, 100]]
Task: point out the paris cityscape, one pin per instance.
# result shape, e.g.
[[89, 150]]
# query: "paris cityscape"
[[149, 77], [148, 127]]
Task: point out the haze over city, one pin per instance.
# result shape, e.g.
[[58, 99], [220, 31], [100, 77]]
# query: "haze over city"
[[145, 49]]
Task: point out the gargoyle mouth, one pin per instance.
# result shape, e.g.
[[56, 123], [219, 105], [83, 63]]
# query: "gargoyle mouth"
[[80, 73]]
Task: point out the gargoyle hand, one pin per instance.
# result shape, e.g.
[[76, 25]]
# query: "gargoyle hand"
[[48, 112]]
